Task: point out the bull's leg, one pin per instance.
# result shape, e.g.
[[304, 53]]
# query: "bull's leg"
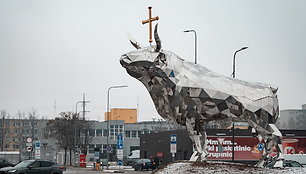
[[199, 139], [272, 138], [276, 139]]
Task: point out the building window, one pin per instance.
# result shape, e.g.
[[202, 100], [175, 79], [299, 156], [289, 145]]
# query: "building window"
[[99, 146], [139, 132], [134, 134], [105, 132], [91, 132], [127, 133], [99, 132], [115, 130]]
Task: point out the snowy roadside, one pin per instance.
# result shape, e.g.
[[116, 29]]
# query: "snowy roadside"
[[185, 167]]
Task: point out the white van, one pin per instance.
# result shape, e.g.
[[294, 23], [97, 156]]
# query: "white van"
[[132, 157]]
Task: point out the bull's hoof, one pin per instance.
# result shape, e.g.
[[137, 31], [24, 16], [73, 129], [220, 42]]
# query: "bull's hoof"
[[196, 156]]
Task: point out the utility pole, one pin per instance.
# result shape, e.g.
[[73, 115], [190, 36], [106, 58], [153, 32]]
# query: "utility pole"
[[84, 106]]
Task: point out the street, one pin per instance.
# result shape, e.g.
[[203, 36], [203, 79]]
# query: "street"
[[112, 169]]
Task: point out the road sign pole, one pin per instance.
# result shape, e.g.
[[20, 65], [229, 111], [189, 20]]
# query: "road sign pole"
[[120, 151], [173, 146]]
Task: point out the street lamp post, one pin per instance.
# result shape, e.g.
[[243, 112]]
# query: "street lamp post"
[[195, 44], [234, 59], [107, 118], [233, 124]]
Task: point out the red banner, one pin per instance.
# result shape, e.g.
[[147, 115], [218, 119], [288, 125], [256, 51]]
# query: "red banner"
[[246, 148]]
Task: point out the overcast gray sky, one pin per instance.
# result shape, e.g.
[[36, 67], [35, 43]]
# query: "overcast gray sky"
[[56, 50]]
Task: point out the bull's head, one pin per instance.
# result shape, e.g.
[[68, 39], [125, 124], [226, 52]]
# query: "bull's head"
[[144, 60]]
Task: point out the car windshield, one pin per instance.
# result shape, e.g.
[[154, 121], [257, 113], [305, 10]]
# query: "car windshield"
[[24, 164]]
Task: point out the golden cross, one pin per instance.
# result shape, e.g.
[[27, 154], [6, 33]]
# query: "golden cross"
[[150, 20]]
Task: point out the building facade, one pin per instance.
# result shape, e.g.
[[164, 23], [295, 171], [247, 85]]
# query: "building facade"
[[15, 132], [292, 119], [128, 115]]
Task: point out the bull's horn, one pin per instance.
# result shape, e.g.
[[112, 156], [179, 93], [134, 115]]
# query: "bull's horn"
[[133, 42], [157, 40]]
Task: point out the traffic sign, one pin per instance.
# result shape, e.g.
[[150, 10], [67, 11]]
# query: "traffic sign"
[[109, 149], [173, 139], [119, 144], [37, 144], [120, 137], [29, 148], [260, 147], [173, 143], [119, 153], [172, 148], [28, 144], [120, 162], [37, 154], [29, 140], [119, 141]]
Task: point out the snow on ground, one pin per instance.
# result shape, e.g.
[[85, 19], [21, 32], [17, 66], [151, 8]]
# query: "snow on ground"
[[186, 167]]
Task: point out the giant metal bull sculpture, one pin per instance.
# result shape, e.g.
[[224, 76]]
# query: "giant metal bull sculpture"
[[192, 95]]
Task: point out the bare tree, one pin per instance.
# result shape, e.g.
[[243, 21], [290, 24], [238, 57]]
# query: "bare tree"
[[20, 115], [70, 131]]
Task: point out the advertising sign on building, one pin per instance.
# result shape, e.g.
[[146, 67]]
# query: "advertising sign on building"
[[248, 148]]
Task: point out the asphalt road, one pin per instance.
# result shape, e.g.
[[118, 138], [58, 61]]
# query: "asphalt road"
[[127, 169]]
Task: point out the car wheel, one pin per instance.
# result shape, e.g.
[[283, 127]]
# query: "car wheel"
[[135, 168]]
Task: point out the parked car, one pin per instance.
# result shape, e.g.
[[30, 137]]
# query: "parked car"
[[286, 163], [142, 164], [4, 163], [34, 167], [301, 158]]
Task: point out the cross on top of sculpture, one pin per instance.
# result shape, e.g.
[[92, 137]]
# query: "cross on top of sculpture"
[[150, 20]]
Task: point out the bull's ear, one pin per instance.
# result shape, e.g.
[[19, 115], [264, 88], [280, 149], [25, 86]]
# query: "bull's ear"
[[157, 40]]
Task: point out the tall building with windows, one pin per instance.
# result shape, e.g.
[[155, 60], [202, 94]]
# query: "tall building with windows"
[[14, 133]]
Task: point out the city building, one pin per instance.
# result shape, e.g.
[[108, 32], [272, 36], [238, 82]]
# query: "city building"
[[292, 119], [15, 132], [130, 131], [157, 145], [128, 115]]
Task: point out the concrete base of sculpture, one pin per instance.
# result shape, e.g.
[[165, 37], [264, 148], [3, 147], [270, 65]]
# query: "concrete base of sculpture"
[[183, 167]]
